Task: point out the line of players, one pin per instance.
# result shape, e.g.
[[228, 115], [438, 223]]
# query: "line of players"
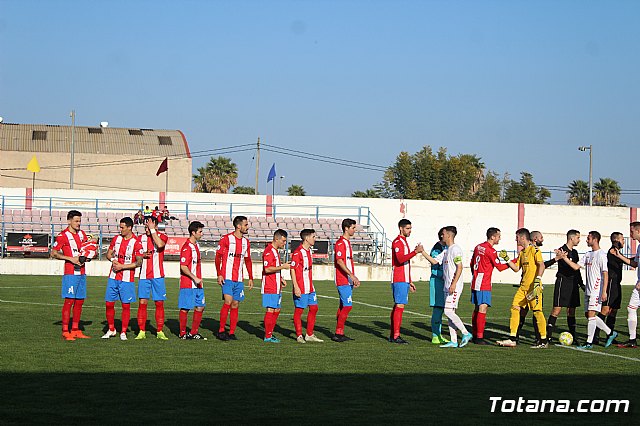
[[128, 252]]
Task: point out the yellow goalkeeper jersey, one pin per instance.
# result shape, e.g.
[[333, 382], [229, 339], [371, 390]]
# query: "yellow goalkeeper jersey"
[[528, 260]]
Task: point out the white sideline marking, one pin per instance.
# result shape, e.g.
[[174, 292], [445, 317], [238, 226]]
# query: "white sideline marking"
[[32, 286], [599, 353], [376, 306]]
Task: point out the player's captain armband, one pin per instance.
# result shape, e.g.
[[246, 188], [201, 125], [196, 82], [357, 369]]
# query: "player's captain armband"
[[457, 259]]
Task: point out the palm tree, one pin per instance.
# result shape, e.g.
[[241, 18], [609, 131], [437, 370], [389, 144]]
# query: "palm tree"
[[218, 175], [296, 191], [607, 192], [578, 193]]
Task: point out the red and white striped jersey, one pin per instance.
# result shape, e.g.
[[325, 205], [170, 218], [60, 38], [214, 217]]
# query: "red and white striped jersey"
[[126, 252], [271, 283], [190, 257], [70, 243], [301, 263], [401, 256], [233, 252], [342, 250], [152, 266]]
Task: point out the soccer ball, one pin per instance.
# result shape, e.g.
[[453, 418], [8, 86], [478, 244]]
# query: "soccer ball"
[[566, 339]]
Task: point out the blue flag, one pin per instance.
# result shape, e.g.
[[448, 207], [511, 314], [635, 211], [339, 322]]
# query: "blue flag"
[[272, 173]]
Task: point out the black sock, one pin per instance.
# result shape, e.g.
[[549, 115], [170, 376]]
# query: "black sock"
[[535, 329], [571, 322], [611, 322], [523, 316], [551, 324]]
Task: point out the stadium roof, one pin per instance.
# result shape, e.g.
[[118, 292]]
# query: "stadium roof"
[[93, 140]]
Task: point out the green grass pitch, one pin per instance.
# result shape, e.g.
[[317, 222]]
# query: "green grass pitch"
[[44, 379]]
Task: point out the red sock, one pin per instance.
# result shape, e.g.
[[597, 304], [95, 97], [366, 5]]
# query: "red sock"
[[111, 315], [297, 321], [183, 322], [338, 313], [126, 316], [223, 317], [474, 323], [268, 319], [311, 319], [159, 315], [393, 314], [397, 321], [142, 316], [274, 319], [233, 320], [195, 325], [77, 313], [482, 320], [342, 318], [66, 314]]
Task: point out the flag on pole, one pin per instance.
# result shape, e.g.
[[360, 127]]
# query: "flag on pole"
[[272, 173], [163, 167], [33, 165]]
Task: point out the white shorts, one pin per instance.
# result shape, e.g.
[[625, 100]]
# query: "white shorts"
[[634, 300], [592, 302], [451, 300]]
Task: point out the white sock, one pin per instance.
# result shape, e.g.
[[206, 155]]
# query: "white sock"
[[591, 329], [455, 319], [453, 335], [632, 320], [602, 325]]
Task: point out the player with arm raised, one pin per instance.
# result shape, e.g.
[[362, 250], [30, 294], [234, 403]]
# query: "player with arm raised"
[[233, 255], [566, 293], [125, 254], [273, 282], [451, 261], [346, 279], [634, 300], [74, 281], [484, 259], [530, 291], [191, 285], [304, 294], [401, 283], [151, 281], [436, 293], [595, 264]]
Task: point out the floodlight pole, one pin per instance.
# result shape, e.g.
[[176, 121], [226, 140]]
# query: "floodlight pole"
[[257, 166], [590, 148], [73, 133]]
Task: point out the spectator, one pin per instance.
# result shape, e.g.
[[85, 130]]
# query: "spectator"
[[157, 214], [166, 215], [147, 212], [138, 219]]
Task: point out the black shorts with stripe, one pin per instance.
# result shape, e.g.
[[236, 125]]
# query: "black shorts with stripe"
[[614, 294], [566, 293]]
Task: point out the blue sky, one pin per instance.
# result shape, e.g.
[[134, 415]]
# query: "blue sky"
[[520, 83]]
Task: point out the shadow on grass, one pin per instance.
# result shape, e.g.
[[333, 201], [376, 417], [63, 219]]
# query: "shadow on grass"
[[363, 398]]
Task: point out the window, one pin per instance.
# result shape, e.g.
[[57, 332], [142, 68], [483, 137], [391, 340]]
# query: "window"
[[39, 135], [95, 130], [135, 132], [165, 140]]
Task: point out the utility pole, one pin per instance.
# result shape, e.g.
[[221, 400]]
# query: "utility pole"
[[590, 149], [73, 134], [257, 166]]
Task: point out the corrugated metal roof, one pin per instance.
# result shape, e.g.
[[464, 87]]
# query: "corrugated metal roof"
[[112, 140]]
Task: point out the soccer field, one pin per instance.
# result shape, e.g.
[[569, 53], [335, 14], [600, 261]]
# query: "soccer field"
[[368, 380]]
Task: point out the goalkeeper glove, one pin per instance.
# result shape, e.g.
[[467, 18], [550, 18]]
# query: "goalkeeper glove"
[[537, 289], [503, 255]]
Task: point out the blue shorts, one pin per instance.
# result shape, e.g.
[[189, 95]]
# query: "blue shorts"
[[400, 293], [233, 288], [120, 290], [190, 298], [305, 300], [155, 286], [436, 292], [480, 297], [271, 301], [74, 287], [346, 293]]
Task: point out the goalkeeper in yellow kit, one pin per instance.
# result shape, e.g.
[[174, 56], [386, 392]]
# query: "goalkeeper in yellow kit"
[[529, 293]]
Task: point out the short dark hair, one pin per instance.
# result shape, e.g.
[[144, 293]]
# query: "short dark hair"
[[72, 214], [306, 232], [238, 220], [451, 229], [572, 233], [441, 233], [596, 235], [280, 233], [634, 225], [491, 232], [194, 226], [525, 233], [347, 223], [153, 219], [127, 221], [615, 235], [403, 223]]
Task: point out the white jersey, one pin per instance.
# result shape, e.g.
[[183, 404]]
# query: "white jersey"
[[449, 259], [595, 265], [637, 259]]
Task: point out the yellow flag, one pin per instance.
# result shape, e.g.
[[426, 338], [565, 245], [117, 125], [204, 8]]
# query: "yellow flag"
[[33, 165]]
